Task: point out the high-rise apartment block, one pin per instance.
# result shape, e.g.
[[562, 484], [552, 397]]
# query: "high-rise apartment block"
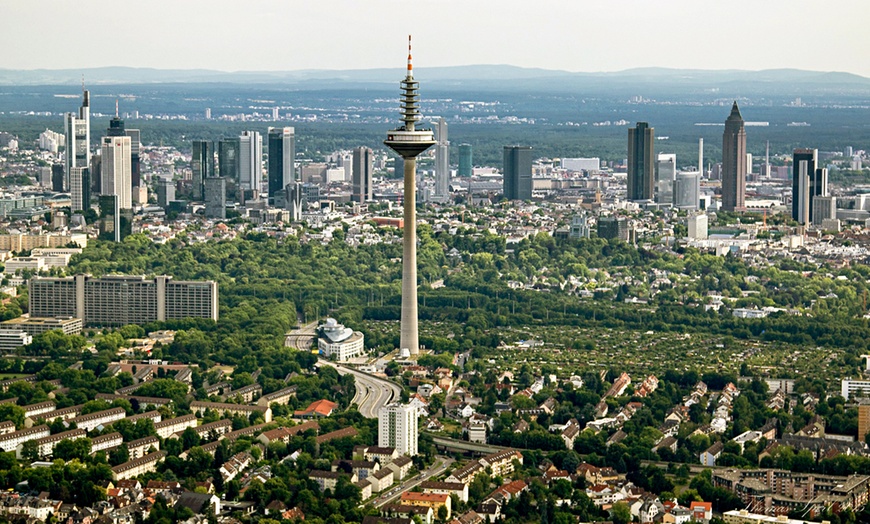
[[734, 161], [442, 163], [397, 428], [202, 166], [518, 172], [250, 161], [361, 175], [641, 162], [282, 158], [466, 160], [120, 300]]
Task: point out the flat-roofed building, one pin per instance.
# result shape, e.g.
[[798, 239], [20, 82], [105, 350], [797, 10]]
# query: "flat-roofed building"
[[39, 325], [12, 340], [120, 300]]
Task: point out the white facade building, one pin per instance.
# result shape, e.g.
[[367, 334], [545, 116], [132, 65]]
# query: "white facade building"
[[698, 227], [397, 428], [581, 164], [250, 161], [442, 163], [117, 171], [341, 342]]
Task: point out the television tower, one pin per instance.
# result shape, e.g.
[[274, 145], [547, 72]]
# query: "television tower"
[[409, 142]]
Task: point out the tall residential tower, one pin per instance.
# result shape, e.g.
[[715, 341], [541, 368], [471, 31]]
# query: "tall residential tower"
[[409, 142]]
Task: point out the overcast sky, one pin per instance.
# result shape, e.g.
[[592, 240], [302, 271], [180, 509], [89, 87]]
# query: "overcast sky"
[[573, 35]]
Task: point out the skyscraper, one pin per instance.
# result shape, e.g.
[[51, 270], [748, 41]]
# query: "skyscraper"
[[409, 142], [116, 175], [687, 191], [641, 162], [518, 172], [77, 130], [250, 161], [202, 165], [466, 162], [228, 159], [734, 162], [80, 188], [808, 181], [666, 174], [442, 163], [397, 428], [282, 155], [361, 175], [117, 128], [215, 197]]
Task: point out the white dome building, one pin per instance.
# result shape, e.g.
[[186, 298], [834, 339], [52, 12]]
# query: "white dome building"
[[339, 341]]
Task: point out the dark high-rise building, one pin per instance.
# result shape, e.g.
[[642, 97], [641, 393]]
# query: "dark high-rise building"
[[465, 160], [362, 175], [215, 197], [398, 168], [613, 227], [165, 192], [282, 155], [808, 182], [57, 176], [641, 162], [228, 159], [734, 162], [518, 172], [202, 165]]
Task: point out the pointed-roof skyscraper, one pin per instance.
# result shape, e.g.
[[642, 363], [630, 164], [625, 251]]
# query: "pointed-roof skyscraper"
[[734, 162]]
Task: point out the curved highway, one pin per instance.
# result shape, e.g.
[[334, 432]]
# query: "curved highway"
[[372, 393]]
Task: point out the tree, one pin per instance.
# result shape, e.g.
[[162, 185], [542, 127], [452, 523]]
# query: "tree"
[[73, 449], [620, 513], [13, 413], [30, 450], [442, 513]]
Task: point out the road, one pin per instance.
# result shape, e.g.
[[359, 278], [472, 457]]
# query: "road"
[[440, 466], [372, 393], [301, 338]]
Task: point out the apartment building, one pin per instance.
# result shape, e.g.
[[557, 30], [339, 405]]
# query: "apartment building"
[[199, 407], [45, 445], [167, 428], [105, 442], [120, 300], [92, 421], [279, 397], [214, 430], [139, 466], [11, 441], [139, 448]]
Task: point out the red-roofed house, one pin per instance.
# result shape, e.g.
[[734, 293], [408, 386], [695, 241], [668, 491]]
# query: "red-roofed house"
[[318, 408], [701, 511]]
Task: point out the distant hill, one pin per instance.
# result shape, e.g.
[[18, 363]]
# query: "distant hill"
[[482, 76]]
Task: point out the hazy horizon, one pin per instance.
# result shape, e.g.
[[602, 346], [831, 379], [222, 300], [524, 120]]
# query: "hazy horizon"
[[563, 35]]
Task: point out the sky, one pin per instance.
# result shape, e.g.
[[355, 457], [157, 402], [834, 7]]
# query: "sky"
[[572, 35]]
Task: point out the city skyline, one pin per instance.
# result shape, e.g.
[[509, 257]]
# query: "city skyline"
[[479, 33]]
